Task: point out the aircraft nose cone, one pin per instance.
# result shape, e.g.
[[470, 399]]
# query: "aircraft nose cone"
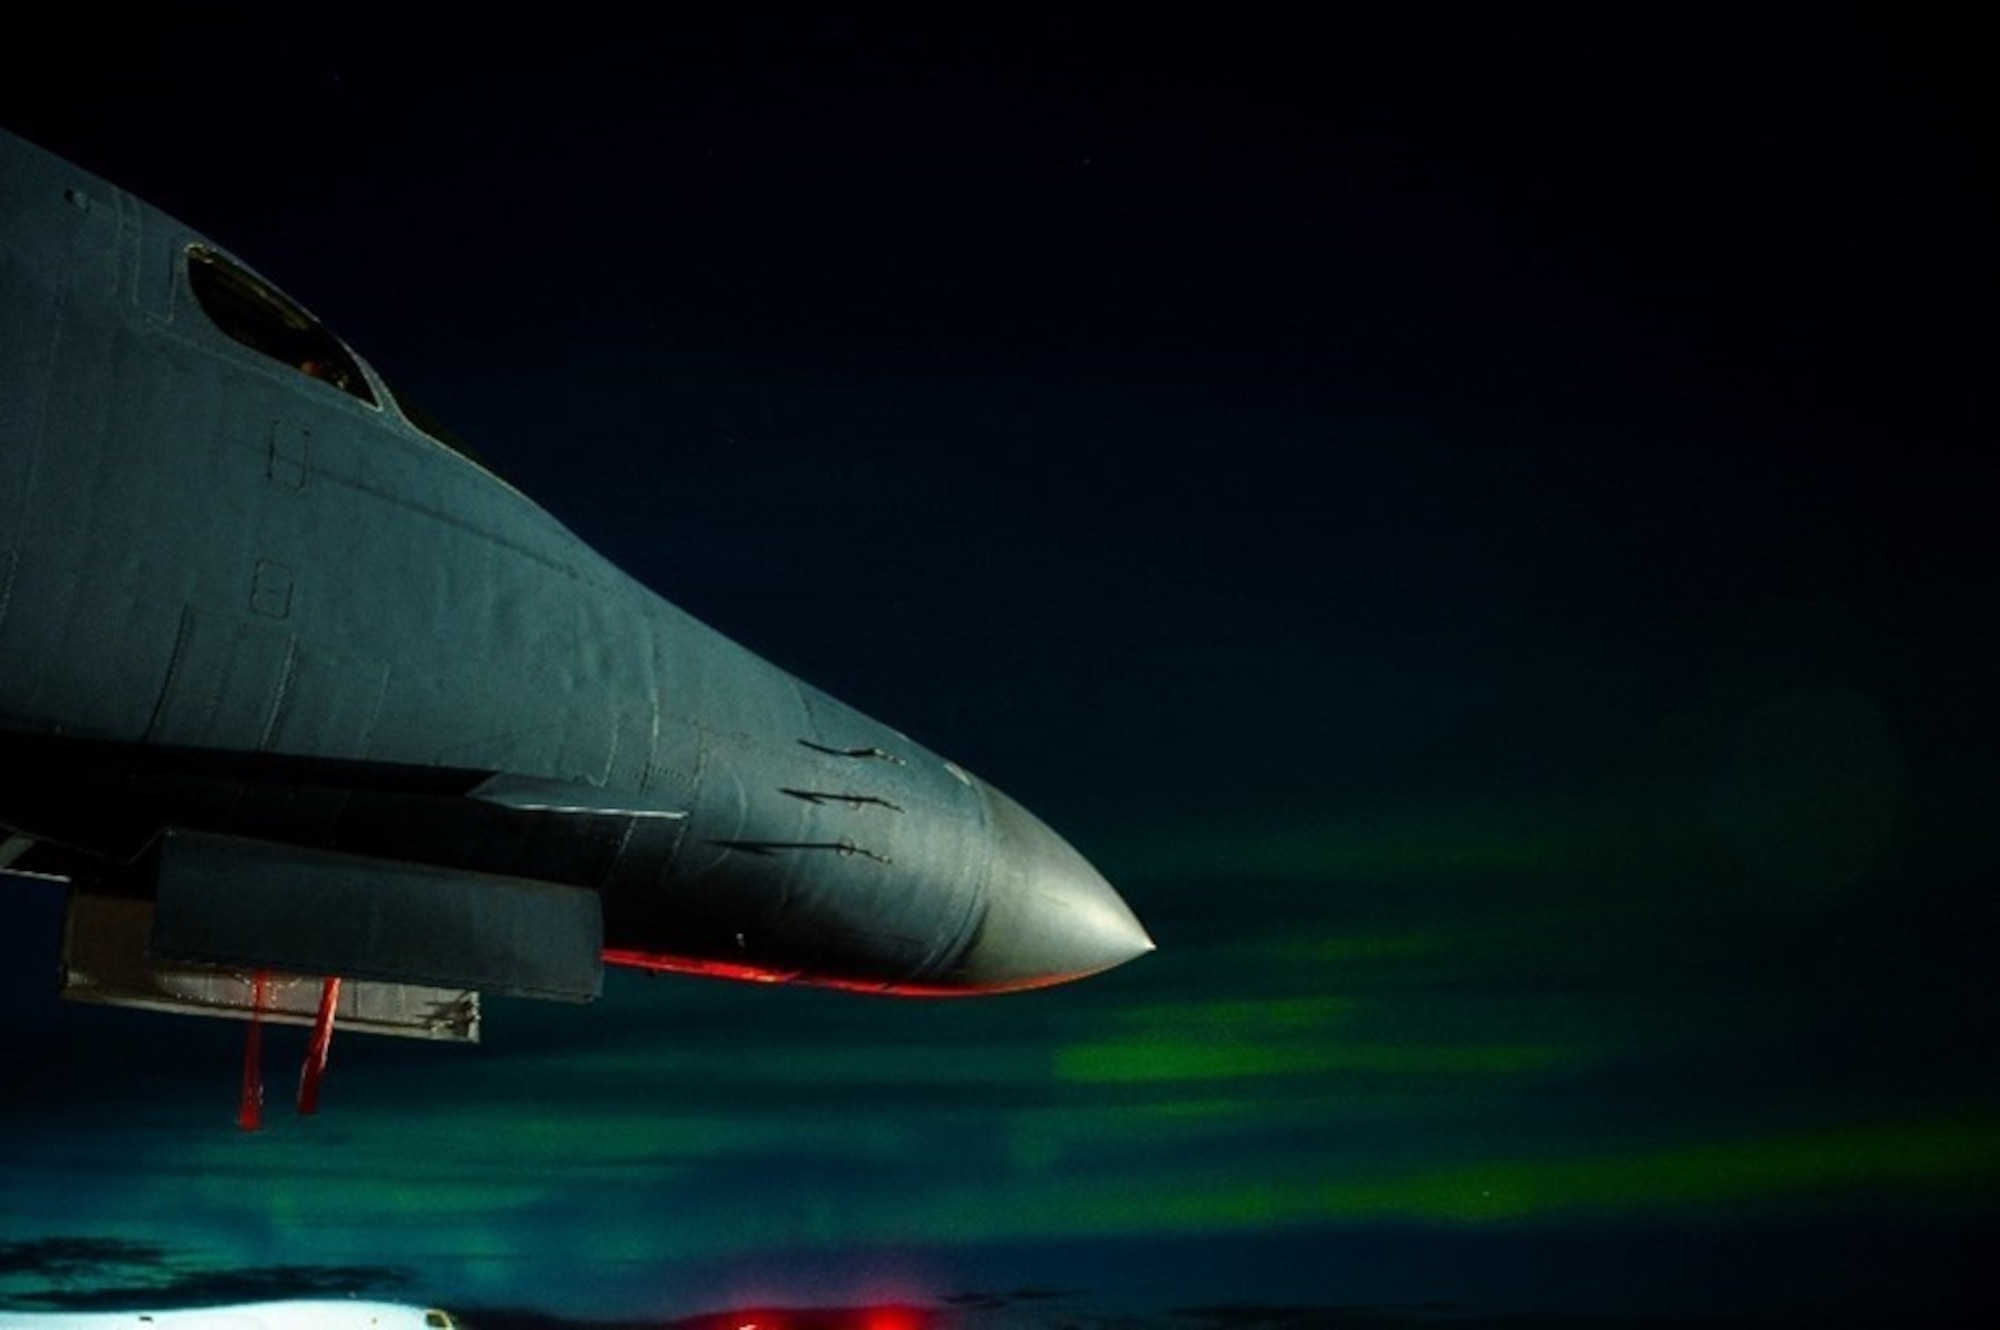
[[1050, 916]]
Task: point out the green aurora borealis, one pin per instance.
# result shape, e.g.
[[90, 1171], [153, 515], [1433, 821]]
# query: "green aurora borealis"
[[1477, 520]]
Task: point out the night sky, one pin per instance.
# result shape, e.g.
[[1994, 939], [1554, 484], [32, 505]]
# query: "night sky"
[[1478, 519]]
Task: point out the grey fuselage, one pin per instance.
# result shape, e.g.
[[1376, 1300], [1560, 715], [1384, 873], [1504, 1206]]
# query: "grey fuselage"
[[242, 594]]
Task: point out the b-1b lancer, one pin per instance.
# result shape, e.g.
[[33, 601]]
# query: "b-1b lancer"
[[293, 691]]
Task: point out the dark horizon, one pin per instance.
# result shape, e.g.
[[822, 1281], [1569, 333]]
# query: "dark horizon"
[[1477, 521]]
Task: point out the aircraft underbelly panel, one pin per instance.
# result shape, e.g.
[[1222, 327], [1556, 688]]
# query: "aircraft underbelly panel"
[[105, 962], [222, 900]]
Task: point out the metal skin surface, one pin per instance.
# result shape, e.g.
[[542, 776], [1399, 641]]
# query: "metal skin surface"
[[239, 602]]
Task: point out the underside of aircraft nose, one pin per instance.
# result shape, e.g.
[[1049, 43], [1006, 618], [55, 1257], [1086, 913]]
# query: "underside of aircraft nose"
[[1050, 916]]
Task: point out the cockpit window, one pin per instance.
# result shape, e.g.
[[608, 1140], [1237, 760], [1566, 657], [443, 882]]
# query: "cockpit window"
[[261, 318], [437, 1320]]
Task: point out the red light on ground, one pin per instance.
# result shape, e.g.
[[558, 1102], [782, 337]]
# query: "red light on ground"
[[866, 1316], [891, 1318]]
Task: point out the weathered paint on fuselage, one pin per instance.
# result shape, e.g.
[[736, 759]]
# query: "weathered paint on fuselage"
[[204, 551]]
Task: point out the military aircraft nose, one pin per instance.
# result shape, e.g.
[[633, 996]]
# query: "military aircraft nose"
[[1050, 916]]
